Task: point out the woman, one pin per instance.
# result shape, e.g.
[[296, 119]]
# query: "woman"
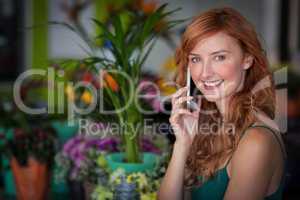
[[234, 151]]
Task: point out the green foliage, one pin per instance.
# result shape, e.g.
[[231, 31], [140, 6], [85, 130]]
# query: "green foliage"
[[129, 44], [23, 134], [39, 144]]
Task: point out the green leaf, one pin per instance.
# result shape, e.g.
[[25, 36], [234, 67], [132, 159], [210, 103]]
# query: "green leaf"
[[76, 30]]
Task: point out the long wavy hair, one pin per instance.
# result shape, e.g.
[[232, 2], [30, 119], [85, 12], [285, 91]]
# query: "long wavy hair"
[[211, 149]]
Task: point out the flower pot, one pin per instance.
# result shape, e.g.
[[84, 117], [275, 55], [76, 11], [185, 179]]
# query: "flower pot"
[[58, 187], [9, 185], [116, 160], [64, 131], [32, 180], [8, 179]]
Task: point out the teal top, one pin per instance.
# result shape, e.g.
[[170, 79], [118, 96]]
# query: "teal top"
[[215, 188]]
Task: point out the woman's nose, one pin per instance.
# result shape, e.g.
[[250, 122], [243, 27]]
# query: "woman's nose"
[[207, 71]]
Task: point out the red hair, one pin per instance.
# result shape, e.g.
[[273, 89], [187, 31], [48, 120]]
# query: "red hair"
[[209, 151]]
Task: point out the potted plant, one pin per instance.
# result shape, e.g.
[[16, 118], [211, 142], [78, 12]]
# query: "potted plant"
[[77, 163], [30, 155], [82, 162], [28, 145], [115, 70], [124, 184]]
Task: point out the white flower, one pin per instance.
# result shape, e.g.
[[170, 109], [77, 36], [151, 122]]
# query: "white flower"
[[116, 174]]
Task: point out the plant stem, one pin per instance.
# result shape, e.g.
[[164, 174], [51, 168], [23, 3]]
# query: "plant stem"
[[131, 135], [131, 148]]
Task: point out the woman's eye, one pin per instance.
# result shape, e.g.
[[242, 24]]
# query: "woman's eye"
[[220, 57], [195, 59]]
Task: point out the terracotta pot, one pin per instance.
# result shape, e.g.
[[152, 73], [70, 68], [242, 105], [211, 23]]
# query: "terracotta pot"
[[32, 181]]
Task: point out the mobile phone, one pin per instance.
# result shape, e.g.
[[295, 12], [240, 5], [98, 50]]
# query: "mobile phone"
[[191, 104]]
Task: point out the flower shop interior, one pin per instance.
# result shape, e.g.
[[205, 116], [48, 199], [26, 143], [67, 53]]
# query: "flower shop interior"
[[69, 69]]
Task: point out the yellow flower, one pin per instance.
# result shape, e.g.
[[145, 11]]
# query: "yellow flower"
[[148, 196], [165, 88], [82, 65], [168, 68], [142, 180], [129, 179], [157, 183], [118, 181], [169, 64], [101, 161], [70, 92], [87, 97], [138, 178]]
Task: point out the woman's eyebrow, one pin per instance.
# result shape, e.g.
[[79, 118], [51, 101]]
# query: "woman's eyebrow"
[[213, 53], [220, 51], [193, 54]]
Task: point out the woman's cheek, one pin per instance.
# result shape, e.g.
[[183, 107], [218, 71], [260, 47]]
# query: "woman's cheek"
[[226, 71], [195, 70]]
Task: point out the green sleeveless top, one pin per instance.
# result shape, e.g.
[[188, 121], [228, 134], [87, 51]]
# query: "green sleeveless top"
[[215, 188]]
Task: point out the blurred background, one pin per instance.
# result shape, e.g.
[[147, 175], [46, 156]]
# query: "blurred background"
[[31, 37]]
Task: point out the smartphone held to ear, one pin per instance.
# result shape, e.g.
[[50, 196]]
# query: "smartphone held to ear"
[[191, 104]]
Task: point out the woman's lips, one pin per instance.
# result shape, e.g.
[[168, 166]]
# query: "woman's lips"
[[212, 85]]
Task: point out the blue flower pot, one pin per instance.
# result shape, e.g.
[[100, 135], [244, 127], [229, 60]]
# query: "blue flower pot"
[[115, 161], [9, 183], [8, 178], [64, 131], [59, 188]]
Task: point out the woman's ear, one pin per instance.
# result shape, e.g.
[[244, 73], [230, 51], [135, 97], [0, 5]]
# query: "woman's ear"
[[248, 61]]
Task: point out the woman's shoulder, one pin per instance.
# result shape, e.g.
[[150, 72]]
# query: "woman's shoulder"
[[258, 162], [258, 137], [259, 148], [262, 139]]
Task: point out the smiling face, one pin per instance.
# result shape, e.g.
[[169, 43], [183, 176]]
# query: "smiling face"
[[218, 66]]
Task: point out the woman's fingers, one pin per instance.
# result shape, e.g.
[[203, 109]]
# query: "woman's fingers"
[[178, 93], [181, 100], [183, 120], [180, 114], [177, 113]]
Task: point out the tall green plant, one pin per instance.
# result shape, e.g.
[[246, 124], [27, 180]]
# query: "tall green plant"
[[130, 46]]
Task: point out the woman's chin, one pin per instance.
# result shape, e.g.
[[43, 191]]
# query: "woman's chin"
[[212, 97]]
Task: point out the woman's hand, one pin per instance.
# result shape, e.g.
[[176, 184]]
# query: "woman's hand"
[[184, 124], [183, 121]]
